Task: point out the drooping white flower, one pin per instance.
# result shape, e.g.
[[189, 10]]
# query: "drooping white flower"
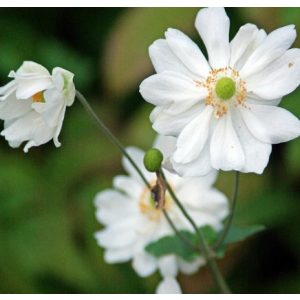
[[223, 110], [33, 104], [131, 220]]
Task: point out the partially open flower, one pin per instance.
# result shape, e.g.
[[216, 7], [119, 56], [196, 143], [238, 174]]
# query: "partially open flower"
[[223, 110], [33, 104], [132, 219]]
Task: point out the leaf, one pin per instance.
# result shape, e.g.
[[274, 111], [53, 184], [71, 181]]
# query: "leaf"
[[172, 244], [238, 234]]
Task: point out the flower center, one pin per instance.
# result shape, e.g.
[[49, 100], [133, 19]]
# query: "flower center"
[[38, 97], [147, 204], [225, 88]]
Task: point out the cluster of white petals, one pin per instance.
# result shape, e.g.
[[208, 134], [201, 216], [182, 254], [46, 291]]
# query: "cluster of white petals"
[[33, 104], [131, 220], [223, 110]]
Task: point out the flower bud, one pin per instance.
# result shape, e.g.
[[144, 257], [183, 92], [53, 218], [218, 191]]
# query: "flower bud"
[[153, 159]]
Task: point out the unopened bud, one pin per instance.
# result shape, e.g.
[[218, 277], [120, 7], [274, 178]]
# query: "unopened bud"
[[153, 159]]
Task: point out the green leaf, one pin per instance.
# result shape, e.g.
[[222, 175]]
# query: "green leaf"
[[174, 245], [238, 234]]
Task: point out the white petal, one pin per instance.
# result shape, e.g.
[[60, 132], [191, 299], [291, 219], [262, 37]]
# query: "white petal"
[[12, 107], [271, 124], [119, 235], [274, 45], [112, 256], [199, 167], [225, 147], [128, 185], [279, 78], [163, 59], [30, 68], [170, 124], [113, 206], [213, 27], [168, 266], [7, 89], [53, 107], [193, 137], [59, 126], [256, 152], [168, 87], [144, 264], [169, 285], [190, 267], [188, 52], [30, 127], [240, 43], [63, 81], [254, 99], [166, 144]]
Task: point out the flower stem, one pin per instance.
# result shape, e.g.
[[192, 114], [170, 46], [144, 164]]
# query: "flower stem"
[[109, 134], [225, 231], [205, 249]]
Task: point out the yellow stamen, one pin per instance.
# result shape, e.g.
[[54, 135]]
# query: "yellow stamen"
[[38, 97]]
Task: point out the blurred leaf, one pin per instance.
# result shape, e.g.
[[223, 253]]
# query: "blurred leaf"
[[125, 59], [238, 234], [174, 245]]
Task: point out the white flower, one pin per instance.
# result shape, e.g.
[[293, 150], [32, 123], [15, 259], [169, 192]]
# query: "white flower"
[[224, 110], [168, 285], [33, 104], [131, 220]]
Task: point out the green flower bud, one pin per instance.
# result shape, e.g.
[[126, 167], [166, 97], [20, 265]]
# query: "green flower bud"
[[153, 159], [225, 88]]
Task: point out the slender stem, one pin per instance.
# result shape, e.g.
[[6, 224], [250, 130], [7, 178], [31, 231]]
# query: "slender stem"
[[109, 134], [205, 249], [225, 231]]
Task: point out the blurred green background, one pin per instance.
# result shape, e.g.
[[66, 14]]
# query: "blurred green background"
[[46, 197]]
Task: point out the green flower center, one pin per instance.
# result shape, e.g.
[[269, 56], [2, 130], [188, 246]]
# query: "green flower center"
[[225, 88]]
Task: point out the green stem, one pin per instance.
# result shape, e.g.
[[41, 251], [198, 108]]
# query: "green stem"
[[205, 249], [225, 231], [109, 134]]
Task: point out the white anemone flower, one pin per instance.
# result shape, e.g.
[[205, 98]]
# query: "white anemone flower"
[[131, 220], [223, 110], [33, 104]]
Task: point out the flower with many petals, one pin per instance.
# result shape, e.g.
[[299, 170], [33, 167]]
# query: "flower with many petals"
[[33, 104], [131, 220], [224, 110]]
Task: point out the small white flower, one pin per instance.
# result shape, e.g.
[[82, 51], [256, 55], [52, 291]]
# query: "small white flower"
[[33, 104], [224, 110], [131, 220], [168, 285]]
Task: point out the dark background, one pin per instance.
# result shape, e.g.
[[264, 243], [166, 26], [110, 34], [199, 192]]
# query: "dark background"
[[46, 196]]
